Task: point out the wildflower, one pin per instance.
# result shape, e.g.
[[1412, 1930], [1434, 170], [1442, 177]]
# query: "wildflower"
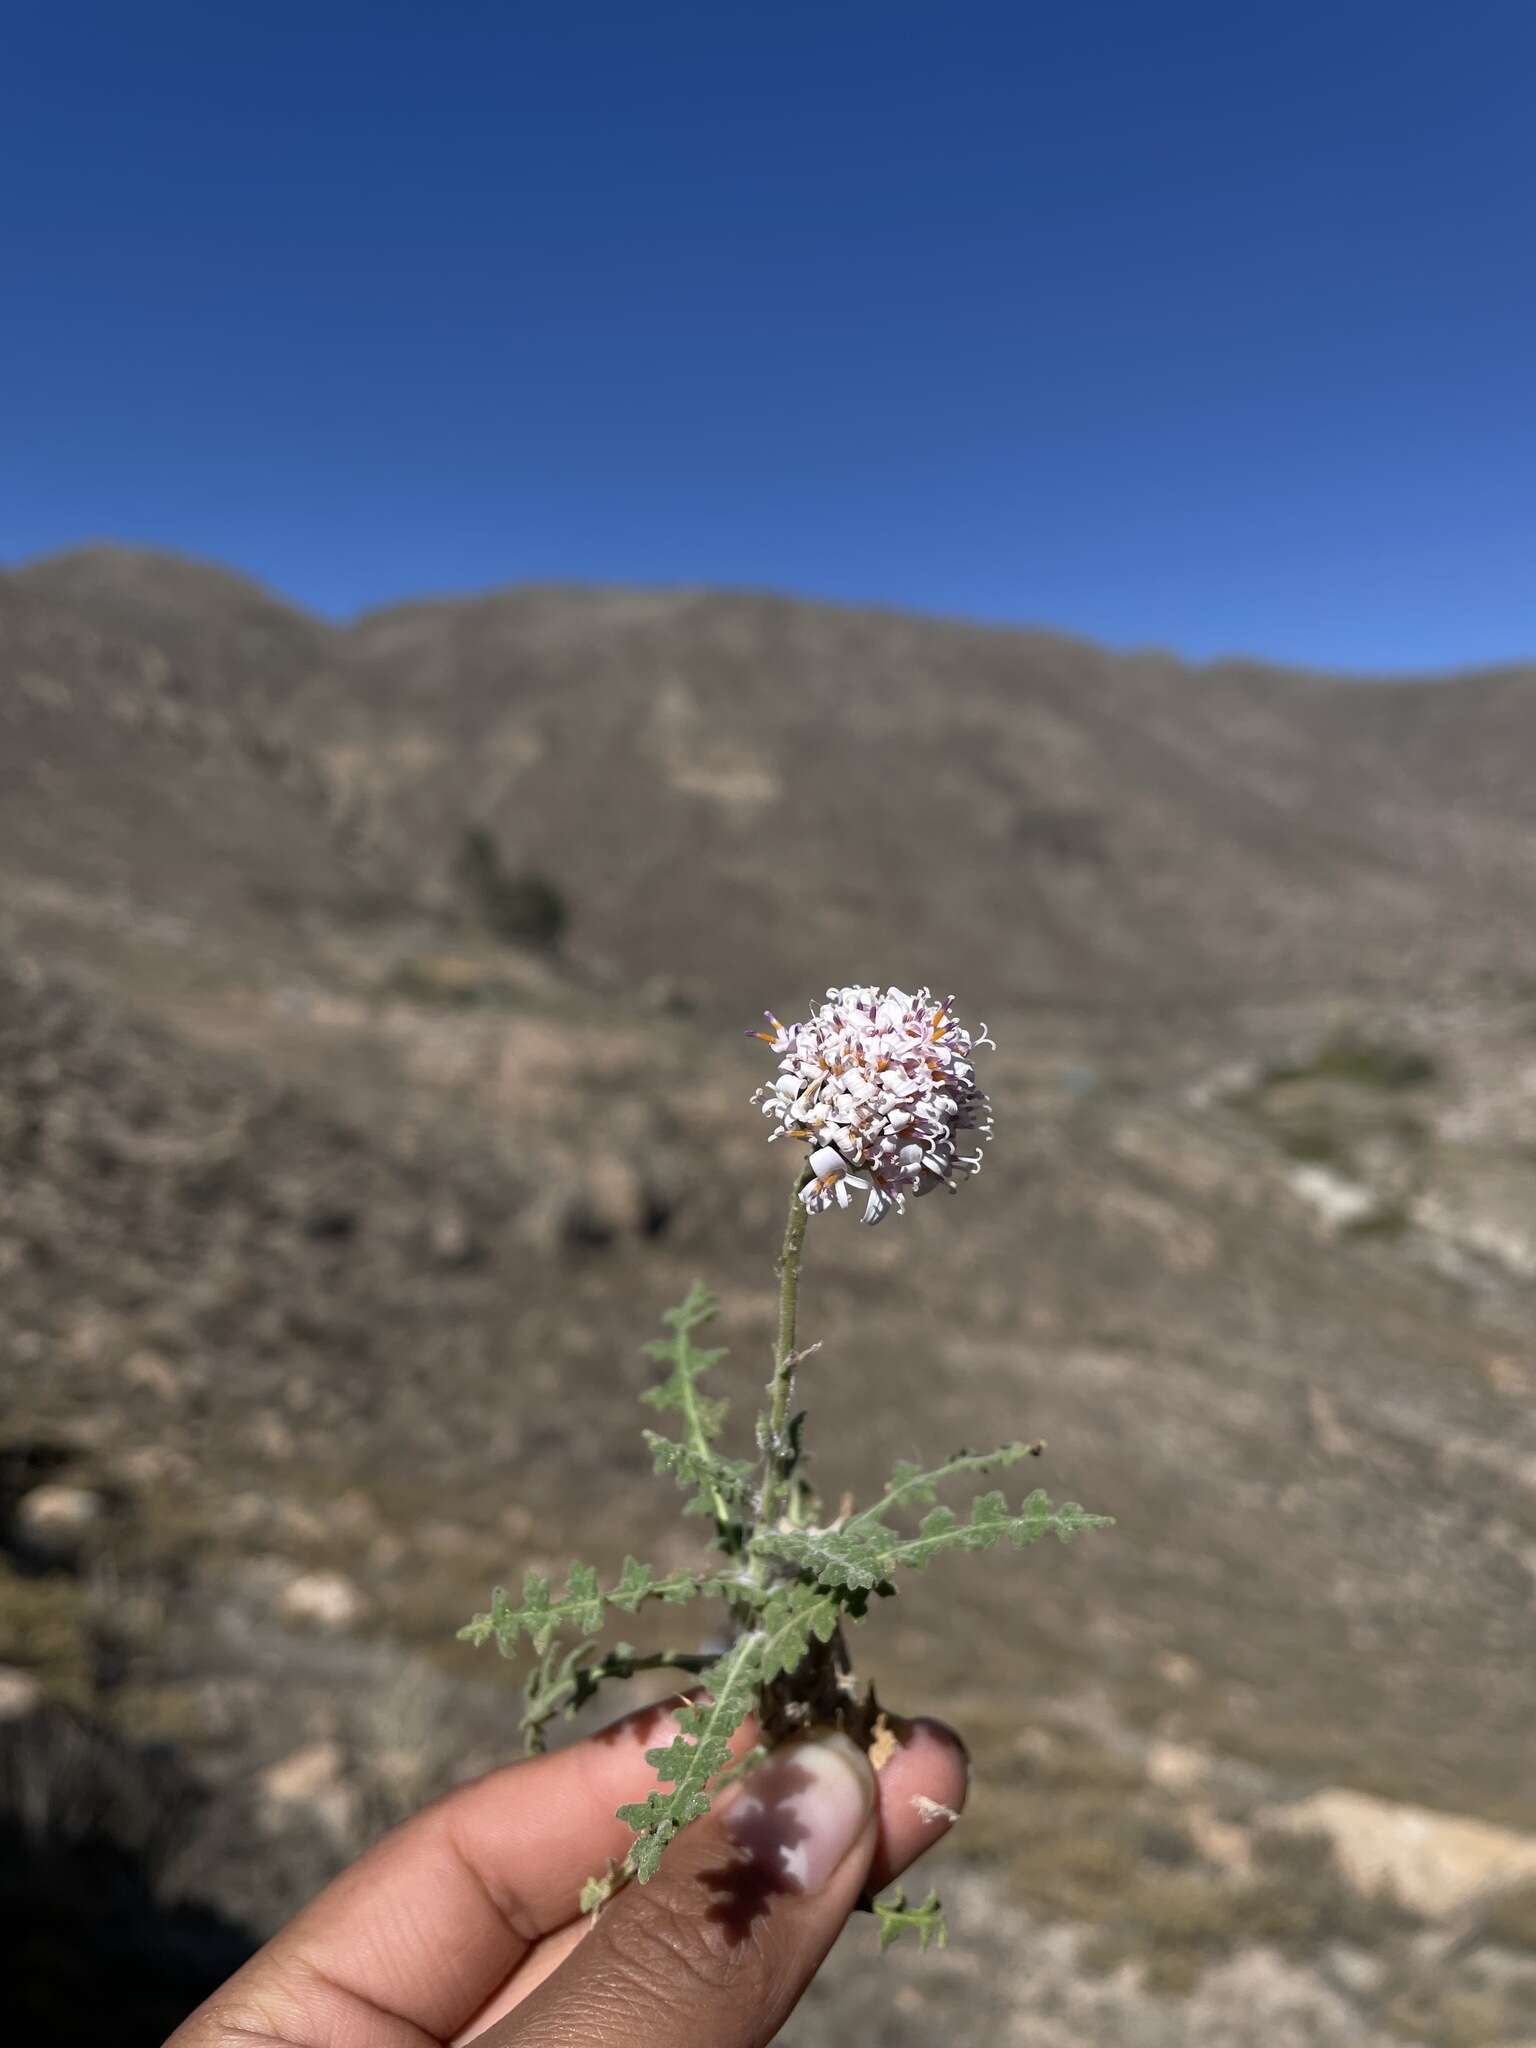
[[880, 1085]]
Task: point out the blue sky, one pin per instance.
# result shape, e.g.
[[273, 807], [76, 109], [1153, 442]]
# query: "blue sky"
[[1203, 326]]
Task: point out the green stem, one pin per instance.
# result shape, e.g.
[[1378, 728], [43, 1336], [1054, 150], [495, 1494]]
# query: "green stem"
[[578, 1682], [778, 1459]]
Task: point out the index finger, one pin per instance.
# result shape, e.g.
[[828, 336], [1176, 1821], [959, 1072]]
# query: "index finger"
[[422, 1930]]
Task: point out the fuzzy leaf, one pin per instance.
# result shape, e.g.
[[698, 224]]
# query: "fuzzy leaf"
[[719, 1486], [599, 1889], [926, 1921], [910, 1484], [564, 1680], [717, 1482], [679, 1389], [541, 1615], [638, 1583], [702, 1748], [866, 1554]]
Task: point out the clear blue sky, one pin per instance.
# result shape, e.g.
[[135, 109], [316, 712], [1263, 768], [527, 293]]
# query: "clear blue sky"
[[1208, 326]]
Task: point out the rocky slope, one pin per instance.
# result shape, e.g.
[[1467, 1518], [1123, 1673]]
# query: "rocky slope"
[[331, 1224]]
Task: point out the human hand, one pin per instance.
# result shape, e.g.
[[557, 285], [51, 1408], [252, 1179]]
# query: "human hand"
[[462, 1924]]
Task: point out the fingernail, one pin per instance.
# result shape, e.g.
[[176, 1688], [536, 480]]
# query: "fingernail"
[[800, 1813]]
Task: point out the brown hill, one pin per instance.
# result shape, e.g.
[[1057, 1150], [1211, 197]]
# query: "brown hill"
[[746, 791]]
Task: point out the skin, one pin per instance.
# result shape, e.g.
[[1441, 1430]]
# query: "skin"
[[461, 1925]]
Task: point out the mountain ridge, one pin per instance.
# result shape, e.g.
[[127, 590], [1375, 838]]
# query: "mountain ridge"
[[731, 787], [87, 559]]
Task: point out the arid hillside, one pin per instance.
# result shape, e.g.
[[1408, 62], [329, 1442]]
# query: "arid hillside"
[[731, 789], [372, 1075]]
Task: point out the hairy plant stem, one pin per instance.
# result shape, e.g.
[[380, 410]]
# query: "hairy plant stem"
[[778, 1453], [575, 1682], [822, 1691]]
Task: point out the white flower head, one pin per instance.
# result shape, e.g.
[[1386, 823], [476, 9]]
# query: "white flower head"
[[881, 1086]]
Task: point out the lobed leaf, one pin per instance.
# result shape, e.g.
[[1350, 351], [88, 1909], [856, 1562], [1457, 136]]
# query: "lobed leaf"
[[866, 1554], [702, 1748], [719, 1486], [926, 1921], [542, 1614], [722, 1486], [910, 1484]]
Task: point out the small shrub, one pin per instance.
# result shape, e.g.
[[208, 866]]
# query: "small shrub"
[[525, 908], [1363, 1062]]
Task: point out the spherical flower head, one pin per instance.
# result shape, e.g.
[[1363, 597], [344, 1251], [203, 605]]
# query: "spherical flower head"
[[881, 1087]]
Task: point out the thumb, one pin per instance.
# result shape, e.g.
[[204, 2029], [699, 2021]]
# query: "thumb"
[[715, 1951]]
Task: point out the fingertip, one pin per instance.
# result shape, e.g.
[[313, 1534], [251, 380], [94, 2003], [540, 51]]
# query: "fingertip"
[[937, 1743], [923, 1788]]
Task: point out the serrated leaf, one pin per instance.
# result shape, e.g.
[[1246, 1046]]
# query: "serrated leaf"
[[910, 1484], [719, 1486], [702, 1748], [866, 1553], [717, 1481], [541, 1615], [635, 1582], [926, 1921]]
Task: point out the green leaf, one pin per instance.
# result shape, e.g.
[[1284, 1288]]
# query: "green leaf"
[[722, 1486], [865, 1554], [702, 1748], [564, 1680], [910, 1484], [599, 1889], [638, 1583], [926, 1921], [541, 1615], [679, 1389], [719, 1486]]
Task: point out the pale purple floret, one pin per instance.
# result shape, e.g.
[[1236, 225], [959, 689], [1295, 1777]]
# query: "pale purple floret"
[[880, 1085]]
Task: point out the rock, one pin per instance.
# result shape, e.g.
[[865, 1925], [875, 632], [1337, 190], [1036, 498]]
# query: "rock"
[[91, 1335], [1219, 1841], [450, 1237], [1480, 1202], [1329, 1434], [1432, 1863], [1176, 1768], [1355, 1970], [272, 1437], [56, 1517], [517, 1521], [609, 1203], [304, 1775], [312, 1779], [154, 1373], [300, 1525], [1177, 1670], [1340, 1204], [156, 1465], [593, 1204], [444, 1539], [328, 1599], [20, 1692]]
